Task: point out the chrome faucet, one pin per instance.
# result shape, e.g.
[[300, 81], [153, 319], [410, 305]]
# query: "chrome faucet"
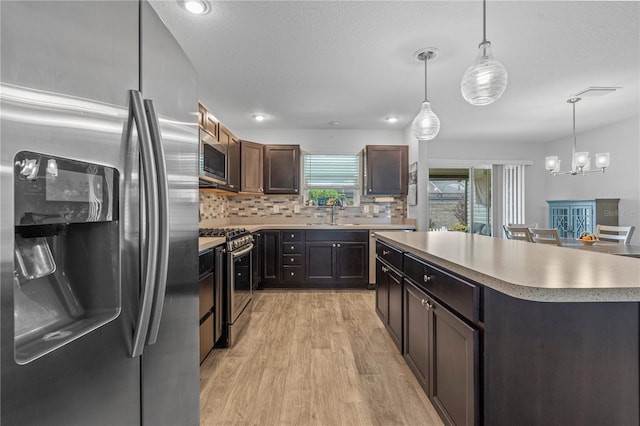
[[339, 202]]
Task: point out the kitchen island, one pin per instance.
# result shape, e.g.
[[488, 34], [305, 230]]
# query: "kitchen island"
[[519, 333]]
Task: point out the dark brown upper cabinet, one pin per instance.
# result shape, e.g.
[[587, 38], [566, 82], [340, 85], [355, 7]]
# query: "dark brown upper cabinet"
[[386, 169], [282, 169], [228, 140], [251, 170], [233, 157]]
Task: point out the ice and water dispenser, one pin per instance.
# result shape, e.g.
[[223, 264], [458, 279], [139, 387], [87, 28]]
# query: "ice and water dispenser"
[[67, 251]]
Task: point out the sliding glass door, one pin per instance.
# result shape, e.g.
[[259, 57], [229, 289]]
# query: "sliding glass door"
[[460, 199]]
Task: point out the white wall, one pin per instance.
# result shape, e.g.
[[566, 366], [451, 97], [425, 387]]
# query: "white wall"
[[621, 179], [323, 141]]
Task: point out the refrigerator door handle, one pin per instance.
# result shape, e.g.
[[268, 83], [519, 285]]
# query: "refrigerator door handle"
[[150, 263], [163, 208]]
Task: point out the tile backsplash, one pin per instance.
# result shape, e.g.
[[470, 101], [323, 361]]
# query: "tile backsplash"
[[219, 210]]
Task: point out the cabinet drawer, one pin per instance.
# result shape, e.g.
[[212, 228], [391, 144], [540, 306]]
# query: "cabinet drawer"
[[292, 248], [331, 235], [389, 254], [288, 236], [292, 274], [206, 337], [205, 296], [461, 296], [292, 259]]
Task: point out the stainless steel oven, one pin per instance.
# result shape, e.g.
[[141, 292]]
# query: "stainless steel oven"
[[239, 280], [213, 159], [239, 285]]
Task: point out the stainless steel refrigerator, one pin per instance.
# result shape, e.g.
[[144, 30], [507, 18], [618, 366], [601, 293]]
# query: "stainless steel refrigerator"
[[99, 217]]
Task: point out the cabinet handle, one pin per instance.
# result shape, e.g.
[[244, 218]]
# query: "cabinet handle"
[[427, 278], [426, 304], [293, 235], [291, 247], [385, 269], [292, 274], [338, 245], [292, 259], [333, 245], [369, 189], [385, 252]]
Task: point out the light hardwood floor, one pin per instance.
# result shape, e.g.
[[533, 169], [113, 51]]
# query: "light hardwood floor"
[[312, 358]]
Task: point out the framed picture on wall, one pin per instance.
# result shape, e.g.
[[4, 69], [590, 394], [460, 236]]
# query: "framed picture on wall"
[[412, 194]]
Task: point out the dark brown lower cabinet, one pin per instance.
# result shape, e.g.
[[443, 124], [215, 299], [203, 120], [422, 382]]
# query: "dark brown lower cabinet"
[[442, 351], [389, 300], [382, 293], [270, 254], [416, 334], [454, 367]]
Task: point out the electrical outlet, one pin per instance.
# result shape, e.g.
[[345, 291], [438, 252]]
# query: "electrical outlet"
[[276, 208], [376, 208], [365, 208], [296, 208]]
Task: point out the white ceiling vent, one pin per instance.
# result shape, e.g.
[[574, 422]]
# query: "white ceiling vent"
[[596, 91]]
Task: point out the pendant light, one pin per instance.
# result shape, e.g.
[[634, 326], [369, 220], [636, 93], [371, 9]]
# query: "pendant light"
[[426, 125], [485, 80], [580, 161]]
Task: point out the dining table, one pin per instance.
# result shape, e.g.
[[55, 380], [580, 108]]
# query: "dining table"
[[629, 250]]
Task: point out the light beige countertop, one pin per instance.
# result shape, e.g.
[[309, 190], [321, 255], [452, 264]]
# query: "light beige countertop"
[[538, 272], [205, 243]]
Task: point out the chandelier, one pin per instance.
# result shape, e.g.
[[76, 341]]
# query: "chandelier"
[[580, 161]]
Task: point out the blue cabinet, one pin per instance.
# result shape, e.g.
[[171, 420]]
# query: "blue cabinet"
[[573, 217]]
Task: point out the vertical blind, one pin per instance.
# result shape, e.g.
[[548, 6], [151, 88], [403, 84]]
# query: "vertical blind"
[[331, 171], [513, 194]]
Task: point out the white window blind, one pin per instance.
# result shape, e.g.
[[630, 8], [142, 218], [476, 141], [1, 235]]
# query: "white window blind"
[[513, 194], [331, 171]]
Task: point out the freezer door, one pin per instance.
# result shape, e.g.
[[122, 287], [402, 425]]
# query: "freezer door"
[[66, 71], [171, 378]]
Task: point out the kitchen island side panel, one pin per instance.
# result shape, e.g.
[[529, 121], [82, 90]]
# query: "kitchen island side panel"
[[560, 363]]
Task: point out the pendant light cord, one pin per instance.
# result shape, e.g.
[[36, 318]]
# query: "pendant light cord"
[[426, 58], [484, 21], [484, 28]]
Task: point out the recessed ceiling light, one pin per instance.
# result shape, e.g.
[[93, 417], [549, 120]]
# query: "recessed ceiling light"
[[391, 119], [197, 7], [334, 123], [259, 117]]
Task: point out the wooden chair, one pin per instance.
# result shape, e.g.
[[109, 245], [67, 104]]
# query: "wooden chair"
[[517, 233], [615, 234], [545, 236]]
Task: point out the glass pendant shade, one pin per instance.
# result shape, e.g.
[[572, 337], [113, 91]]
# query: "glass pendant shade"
[[552, 163], [582, 159], [602, 160], [484, 81], [426, 125]]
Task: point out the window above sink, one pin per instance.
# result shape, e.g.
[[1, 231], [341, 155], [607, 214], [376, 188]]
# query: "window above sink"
[[330, 176]]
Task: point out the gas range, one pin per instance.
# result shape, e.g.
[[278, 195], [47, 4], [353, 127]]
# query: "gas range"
[[237, 238]]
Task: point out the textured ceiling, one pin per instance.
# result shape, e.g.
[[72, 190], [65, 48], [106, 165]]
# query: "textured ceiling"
[[306, 63]]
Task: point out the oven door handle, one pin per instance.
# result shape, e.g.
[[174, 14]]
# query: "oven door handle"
[[236, 254]]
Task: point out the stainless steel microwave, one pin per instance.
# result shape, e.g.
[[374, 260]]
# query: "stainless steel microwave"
[[213, 159]]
